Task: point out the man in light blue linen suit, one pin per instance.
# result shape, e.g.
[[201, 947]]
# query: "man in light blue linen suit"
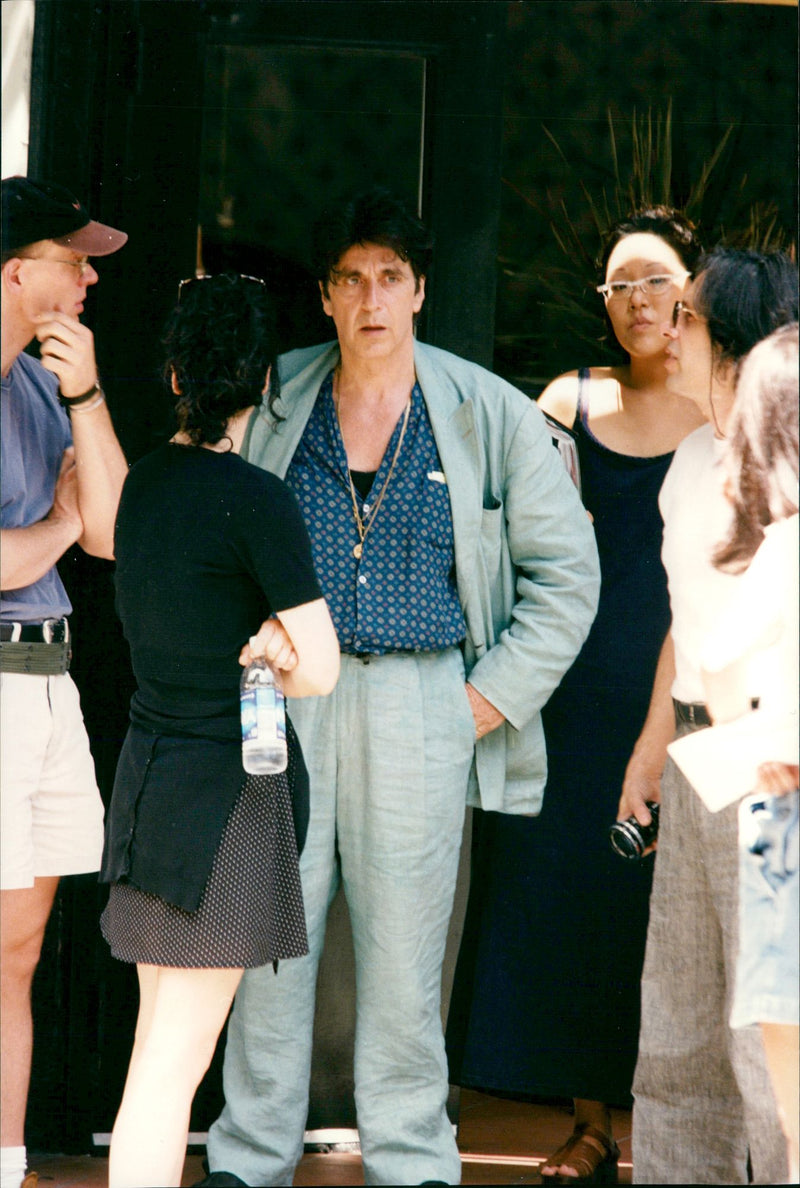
[[462, 576]]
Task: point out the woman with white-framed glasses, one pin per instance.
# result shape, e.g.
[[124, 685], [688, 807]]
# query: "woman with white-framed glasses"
[[546, 1003], [214, 568]]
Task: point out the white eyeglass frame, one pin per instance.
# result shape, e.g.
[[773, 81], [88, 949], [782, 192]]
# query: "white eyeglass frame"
[[625, 288]]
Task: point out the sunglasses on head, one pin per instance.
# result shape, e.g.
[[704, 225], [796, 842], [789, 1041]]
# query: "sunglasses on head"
[[230, 277]]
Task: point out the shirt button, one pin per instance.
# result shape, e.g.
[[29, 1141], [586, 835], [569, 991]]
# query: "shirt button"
[[362, 581]]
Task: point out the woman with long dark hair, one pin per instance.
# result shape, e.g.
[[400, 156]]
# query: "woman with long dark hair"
[[703, 1108], [213, 569]]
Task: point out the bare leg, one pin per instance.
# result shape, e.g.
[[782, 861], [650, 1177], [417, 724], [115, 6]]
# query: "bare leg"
[[595, 1113], [782, 1048], [587, 1113], [181, 1013], [23, 916]]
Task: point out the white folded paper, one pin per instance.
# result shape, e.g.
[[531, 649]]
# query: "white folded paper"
[[721, 762]]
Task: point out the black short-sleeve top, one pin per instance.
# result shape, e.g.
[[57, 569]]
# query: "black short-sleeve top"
[[207, 547]]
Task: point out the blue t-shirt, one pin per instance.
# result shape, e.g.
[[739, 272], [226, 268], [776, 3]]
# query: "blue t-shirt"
[[34, 432]]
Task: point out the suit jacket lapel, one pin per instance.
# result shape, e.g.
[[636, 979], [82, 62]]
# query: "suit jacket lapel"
[[272, 444], [453, 424]]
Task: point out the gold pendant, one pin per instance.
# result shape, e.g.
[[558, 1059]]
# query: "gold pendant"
[[358, 550]]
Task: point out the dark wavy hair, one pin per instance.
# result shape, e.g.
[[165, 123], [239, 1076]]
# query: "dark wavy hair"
[[220, 340], [668, 224], [374, 216], [762, 449], [664, 221], [744, 295]]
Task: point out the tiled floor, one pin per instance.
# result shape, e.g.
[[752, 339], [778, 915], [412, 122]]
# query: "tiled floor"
[[501, 1142]]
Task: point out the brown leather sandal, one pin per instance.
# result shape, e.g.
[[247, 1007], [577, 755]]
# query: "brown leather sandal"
[[593, 1155]]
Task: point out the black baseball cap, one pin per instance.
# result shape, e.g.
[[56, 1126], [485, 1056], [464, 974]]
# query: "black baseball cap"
[[36, 210]]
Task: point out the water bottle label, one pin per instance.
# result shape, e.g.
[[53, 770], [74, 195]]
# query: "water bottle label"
[[249, 715], [263, 715], [279, 710]]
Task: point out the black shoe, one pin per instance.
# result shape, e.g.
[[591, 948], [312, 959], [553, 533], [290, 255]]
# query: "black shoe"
[[221, 1179]]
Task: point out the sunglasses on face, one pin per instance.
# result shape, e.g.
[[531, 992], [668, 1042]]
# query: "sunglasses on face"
[[681, 312]]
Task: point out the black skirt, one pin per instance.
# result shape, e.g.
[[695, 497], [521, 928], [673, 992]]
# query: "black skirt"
[[251, 912]]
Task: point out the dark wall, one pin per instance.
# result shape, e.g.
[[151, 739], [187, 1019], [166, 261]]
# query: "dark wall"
[[117, 115], [711, 66], [120, 98]]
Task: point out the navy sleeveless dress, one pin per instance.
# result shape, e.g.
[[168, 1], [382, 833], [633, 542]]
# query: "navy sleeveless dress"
[[545, 1001]]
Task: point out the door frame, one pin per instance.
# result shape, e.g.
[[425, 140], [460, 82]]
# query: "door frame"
[[115, 117]]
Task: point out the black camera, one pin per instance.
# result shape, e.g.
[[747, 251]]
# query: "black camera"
[[630, 839]]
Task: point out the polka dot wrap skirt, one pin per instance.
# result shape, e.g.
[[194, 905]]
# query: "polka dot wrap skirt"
[[251, 912]]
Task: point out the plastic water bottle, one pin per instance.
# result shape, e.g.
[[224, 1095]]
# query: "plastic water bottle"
[[263, 712]]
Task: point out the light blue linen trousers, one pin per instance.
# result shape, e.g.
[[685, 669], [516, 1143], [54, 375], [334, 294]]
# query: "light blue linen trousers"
[[703, 1100], [388, 753]]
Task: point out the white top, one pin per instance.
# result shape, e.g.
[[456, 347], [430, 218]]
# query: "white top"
[[762, 618], [697, 517], [760, 626]]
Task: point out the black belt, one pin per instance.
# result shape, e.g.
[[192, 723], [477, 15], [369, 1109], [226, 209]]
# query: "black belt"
[[37, 649], [692, 712], [51, 631]]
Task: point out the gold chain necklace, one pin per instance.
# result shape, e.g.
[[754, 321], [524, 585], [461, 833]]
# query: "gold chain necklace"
[[363, 525]]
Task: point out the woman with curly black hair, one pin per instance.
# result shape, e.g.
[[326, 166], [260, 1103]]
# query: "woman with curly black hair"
[[214, 568]]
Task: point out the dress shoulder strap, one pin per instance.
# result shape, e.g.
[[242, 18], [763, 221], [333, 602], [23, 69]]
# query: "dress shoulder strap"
[[582, 408]]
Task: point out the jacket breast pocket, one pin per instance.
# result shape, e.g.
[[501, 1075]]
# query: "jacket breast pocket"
[[492, 519]]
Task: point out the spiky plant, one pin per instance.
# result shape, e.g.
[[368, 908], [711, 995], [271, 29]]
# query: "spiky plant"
[[642, 175]]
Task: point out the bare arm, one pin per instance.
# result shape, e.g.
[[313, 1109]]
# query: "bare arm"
[[560, 398], [776, 779], [67, 349], [301, 644], [26, 554], [643, 774], [102, 470]]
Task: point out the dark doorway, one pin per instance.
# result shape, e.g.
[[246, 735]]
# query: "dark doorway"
[[285, 129], [213, 132]]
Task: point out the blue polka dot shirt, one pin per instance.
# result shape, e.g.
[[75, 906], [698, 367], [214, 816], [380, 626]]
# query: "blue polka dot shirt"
[[400, 595]]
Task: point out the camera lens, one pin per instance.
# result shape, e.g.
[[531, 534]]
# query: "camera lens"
[[626, 838], [630, 839]]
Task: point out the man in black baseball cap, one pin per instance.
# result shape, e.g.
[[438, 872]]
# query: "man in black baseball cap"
[[36, 210], [61, 476]]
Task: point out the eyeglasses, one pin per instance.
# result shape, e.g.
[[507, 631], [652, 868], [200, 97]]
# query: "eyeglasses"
[[682, 310], [81, 264], [652, 286], [229, 276]]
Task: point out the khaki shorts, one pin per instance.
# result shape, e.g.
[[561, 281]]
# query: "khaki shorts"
[[51, 814]]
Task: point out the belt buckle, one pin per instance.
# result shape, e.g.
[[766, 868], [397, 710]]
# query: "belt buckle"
[[55, 631], [16, 632]]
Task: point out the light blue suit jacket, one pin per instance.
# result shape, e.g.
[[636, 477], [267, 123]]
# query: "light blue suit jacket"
[[526, 561]]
